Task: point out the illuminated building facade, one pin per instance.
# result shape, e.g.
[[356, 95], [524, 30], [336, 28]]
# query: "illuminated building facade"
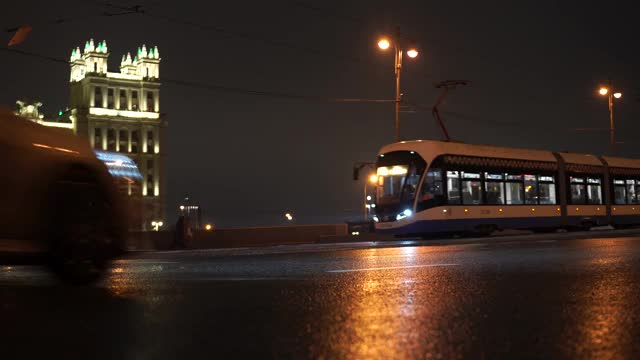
[[120, 112]]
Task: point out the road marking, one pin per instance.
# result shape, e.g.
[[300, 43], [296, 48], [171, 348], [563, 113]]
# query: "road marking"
[[390, 268]]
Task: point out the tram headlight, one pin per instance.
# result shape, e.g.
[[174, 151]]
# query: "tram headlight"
[[404, 214]]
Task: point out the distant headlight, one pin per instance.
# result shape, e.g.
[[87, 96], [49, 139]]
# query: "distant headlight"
[[375, 218]]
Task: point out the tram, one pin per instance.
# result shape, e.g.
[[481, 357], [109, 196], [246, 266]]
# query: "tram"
[[425, 187]]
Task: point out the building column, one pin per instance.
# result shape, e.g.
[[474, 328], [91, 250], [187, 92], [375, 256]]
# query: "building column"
[[156, 141], [144, 139], [156, 100], [128, 99], [143, 171], [92, 136], [103, 135], [117, 130], [156, 176], [116, 97], [92, 96], [129, 131]]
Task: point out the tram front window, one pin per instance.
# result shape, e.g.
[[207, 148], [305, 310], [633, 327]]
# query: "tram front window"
[[399, 175]]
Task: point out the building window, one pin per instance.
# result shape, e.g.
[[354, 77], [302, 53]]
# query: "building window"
[[123, 99], [97, 138], [149, 148], [110, 99], [97, 102], [123, 140], [134, 141], [111, 140], [95, 66], [134, 100], [150, 102]]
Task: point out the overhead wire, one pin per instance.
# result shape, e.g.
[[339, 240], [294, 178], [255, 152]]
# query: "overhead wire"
[[216, 87]]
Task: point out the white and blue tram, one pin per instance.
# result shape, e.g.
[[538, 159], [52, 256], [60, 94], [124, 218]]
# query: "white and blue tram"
[[437, 187]]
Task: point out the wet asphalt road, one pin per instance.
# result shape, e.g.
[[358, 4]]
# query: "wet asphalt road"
[[543, 296]]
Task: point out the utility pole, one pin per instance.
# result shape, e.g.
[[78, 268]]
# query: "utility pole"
[[385, 44], [357, 167]]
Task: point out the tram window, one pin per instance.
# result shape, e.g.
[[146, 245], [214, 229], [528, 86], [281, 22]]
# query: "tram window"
[[494, 191], [453, 187], [547, 190], [594, 191], [411, 184], [431, 193], [494, 188], [472, 192], [631, 192], [578, 190], [619, 192], [513, 177], [513, 193], [530, 189]]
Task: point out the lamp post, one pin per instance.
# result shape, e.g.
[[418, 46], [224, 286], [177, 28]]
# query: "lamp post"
[[373, 178], [385, 44], [610, 93]]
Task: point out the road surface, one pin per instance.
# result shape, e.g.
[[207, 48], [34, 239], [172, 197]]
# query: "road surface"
[[535, 296]]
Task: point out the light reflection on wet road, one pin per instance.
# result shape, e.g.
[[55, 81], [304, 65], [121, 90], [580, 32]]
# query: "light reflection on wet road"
[[538, 298]]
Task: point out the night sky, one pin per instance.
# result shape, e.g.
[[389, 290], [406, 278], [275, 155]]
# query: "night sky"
[[246, 159]]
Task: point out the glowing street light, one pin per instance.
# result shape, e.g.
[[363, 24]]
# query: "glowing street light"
[[208, 227], [156, 225], [384, 44], [611, 94], [288, 216], [373, 178]]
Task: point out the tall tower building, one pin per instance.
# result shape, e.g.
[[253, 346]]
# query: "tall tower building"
[[120, 112]]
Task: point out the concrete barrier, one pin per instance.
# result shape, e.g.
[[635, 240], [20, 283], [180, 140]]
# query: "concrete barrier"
[[240, 237]]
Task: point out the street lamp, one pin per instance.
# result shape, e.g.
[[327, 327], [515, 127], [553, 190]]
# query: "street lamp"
[[611, 94], [373, 179], [288, 216], [385, 44], [156, 225]]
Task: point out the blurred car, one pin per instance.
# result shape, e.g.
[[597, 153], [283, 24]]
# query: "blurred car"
[[58, 203]]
